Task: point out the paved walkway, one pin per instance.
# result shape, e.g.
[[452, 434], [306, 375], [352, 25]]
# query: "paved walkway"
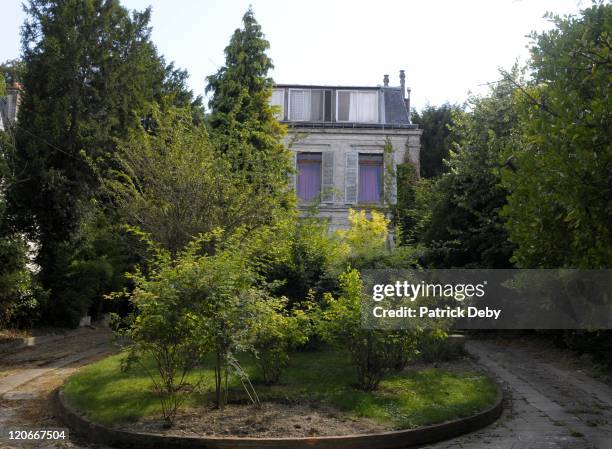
[[29, 375], [548, 407]]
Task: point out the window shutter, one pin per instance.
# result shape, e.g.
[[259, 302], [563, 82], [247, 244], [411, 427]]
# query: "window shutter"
[[327, 185], [351, 177]]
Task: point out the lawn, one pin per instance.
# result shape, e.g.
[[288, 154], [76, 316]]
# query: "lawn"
[[405, 400]]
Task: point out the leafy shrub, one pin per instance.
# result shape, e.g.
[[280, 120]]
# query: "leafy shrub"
[[437, 347], [167, 328], [18, 306], [197, 304], [275, 334], [309, 262], [367, 237], [374, 352]]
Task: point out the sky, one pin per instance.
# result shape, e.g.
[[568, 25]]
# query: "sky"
[[447, 48]]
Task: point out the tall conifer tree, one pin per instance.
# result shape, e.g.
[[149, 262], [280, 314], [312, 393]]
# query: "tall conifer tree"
[[90, 67], [243, 123]]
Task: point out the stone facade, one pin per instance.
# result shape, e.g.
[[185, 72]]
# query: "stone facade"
[[337, 126], [340, 142]]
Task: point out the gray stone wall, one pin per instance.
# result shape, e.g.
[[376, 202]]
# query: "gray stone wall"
[[340, 141]]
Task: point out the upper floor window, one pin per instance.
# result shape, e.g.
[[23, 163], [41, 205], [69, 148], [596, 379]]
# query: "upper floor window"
[[370, 178], [357, 106], [278, 99], [310, 105], [308, 176]]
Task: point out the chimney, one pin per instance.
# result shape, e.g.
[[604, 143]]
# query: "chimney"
[[403, 83], [385, 80], [407, 101]]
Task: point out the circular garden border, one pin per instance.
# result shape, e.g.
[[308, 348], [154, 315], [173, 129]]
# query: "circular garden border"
[[396, 439]]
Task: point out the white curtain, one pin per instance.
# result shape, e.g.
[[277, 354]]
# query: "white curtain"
[[300, 105], [363, 107]]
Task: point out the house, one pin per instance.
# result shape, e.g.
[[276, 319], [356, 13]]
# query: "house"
[[9, 106], [337, 135]]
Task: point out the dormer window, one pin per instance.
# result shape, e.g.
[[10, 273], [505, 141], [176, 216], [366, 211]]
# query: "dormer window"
[[310, 105], [357, 106]]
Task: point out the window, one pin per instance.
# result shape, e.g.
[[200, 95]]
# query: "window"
[[309, 105], [278, 99], [308, 176], [370, 178], [357, 106]]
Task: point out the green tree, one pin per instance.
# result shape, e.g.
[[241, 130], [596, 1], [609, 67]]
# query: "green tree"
[[12, 71], [463, 227], [173, 185], [436, 140], [244, 127], [90, 68], [559, 211], [17, 305]]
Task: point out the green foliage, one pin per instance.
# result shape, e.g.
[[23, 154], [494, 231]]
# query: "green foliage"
[[404, 216], [367, 236], [12, 71], [194, 303], [304, 259], [243, 125], [559, 211], [374, 352], [90, 69], [18, 307], [275, 334], [436, 140], [167, 327], [93, 264], [458, 220], [438, 348]]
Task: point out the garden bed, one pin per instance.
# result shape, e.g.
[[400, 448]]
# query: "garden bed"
[[315, 397], [273, 419]]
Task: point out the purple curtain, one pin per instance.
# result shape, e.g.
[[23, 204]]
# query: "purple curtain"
[[309, 180], [370, 183]]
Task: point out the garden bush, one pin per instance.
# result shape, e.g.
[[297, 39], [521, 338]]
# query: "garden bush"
[[198, 304], [374, 352], [275, 333]]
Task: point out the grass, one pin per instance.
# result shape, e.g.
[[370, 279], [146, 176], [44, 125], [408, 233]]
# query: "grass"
[[404, 400]]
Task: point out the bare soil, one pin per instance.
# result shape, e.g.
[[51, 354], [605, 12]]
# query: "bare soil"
[[273, 419]]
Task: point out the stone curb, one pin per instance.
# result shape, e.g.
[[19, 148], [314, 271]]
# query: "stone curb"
[[98, 433]]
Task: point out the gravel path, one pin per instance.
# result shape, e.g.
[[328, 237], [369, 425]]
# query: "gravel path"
[[28, 376]]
